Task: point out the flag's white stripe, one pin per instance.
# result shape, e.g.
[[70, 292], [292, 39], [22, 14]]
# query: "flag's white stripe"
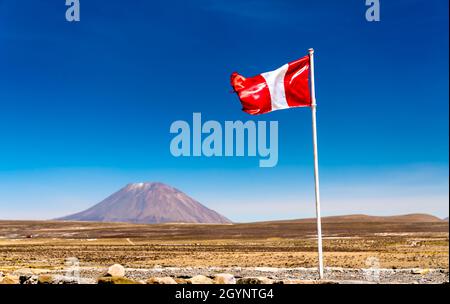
[[275, 82]]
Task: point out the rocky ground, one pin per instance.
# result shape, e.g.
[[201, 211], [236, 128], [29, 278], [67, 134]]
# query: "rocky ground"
[[117, 274]]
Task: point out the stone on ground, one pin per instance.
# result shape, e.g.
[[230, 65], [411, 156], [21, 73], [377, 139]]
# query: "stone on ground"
[[116, 281], [420, 271], [10, 279], [115, 270], [182, 281], [224, 278], [200, 279], [164, 280], [28, 279], [45, 279], [258, 280]]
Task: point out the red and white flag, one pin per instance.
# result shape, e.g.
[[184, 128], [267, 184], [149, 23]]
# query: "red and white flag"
[[286, 87]]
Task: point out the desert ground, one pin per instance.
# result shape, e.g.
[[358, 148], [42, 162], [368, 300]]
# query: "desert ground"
[[408, 249]]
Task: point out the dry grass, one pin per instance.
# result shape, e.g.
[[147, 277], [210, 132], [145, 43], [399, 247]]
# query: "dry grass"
[[274, 244]]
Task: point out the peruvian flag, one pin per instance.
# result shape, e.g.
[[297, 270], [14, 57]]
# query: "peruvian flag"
[[286, 87]]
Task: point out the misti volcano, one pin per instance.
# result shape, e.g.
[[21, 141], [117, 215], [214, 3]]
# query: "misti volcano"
[[148, 203]]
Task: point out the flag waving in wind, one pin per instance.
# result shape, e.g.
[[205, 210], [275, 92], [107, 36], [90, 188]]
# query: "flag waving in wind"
[[286, 87]]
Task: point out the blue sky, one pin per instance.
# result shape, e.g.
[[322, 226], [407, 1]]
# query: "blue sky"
[[86, 107]]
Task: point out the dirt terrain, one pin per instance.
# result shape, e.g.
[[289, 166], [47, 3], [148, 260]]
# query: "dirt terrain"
[[351, 243], [408, 249]]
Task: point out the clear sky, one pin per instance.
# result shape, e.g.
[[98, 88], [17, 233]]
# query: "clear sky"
[[85, 107]]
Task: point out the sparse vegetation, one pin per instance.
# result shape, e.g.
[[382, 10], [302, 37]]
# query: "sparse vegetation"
[[275, 244]]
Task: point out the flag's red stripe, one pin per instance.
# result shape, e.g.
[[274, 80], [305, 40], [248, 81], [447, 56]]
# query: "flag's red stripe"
[[296, 84], [253, 93]]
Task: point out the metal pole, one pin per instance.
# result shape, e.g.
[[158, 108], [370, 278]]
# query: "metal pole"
[[316, 164]]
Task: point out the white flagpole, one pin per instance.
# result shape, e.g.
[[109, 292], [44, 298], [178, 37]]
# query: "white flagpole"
[[316, 164]]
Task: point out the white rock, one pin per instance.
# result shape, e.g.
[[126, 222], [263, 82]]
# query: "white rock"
[[116, 270]]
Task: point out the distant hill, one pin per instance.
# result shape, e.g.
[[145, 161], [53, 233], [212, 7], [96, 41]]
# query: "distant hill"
[[410, 218], [362, 218], [148, 203]]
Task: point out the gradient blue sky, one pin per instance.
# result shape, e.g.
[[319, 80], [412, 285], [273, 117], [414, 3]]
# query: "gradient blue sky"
[[86, 107]]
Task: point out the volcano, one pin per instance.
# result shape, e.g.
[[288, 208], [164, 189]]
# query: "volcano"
[[148, 203]]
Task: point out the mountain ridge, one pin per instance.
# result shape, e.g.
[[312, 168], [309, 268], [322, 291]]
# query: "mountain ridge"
[[404, 218]]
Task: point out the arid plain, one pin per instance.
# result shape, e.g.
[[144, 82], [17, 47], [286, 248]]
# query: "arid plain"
[[403, 242]]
